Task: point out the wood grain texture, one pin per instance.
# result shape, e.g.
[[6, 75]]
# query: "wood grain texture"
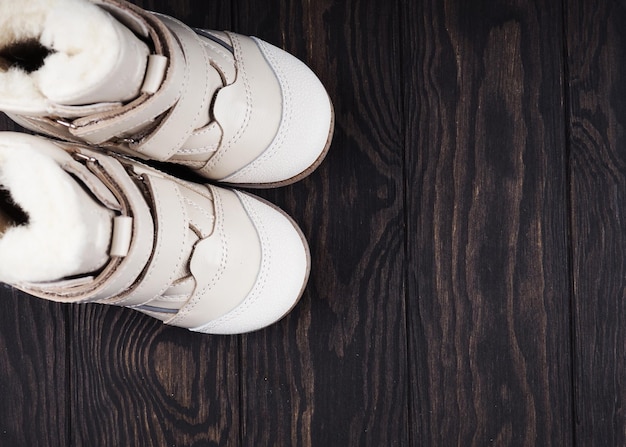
[[596, 43], [34, 377], [486, 203], [333, 373], [468, 277], [136, 382]]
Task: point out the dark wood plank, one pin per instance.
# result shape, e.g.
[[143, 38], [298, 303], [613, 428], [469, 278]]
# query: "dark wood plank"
[[138, 382], [333, 373], [487, 223], [33, 371], [596, 42], [34, 377]]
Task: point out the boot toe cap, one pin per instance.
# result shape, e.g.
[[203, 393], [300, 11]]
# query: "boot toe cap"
[[282, 276], [305, 128]]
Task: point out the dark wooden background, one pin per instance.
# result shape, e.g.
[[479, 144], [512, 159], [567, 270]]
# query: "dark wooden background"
[[468, 241]]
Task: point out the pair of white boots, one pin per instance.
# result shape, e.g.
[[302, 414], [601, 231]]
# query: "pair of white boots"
[[83, 220]]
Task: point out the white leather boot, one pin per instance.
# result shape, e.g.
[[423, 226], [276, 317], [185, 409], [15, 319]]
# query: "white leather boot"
[[107, 73], [78, 226]]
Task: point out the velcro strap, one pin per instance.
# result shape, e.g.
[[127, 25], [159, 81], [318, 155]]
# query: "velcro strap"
[[155, 72], [171, 226], [122, 236], [196, 94], [100, 128]]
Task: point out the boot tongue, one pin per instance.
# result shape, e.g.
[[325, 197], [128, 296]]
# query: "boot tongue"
[[49, 57]]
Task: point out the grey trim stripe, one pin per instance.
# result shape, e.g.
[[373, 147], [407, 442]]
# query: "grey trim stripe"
[[163, 310], [215, 39]]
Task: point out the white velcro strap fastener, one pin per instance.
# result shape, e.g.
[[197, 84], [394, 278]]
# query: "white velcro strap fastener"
[[155, 72], [97, 129], [172, 225], [122, 235], [184, 117]]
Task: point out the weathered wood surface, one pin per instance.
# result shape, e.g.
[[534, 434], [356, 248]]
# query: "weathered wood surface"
[[467, 235], [34, 375], [487, 224], [596, 44]]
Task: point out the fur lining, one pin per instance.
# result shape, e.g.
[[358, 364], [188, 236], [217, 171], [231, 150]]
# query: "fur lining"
[[67, 233], [84, 43]]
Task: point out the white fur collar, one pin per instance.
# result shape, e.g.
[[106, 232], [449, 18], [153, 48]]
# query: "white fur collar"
[[67, 233], [85, 43]]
